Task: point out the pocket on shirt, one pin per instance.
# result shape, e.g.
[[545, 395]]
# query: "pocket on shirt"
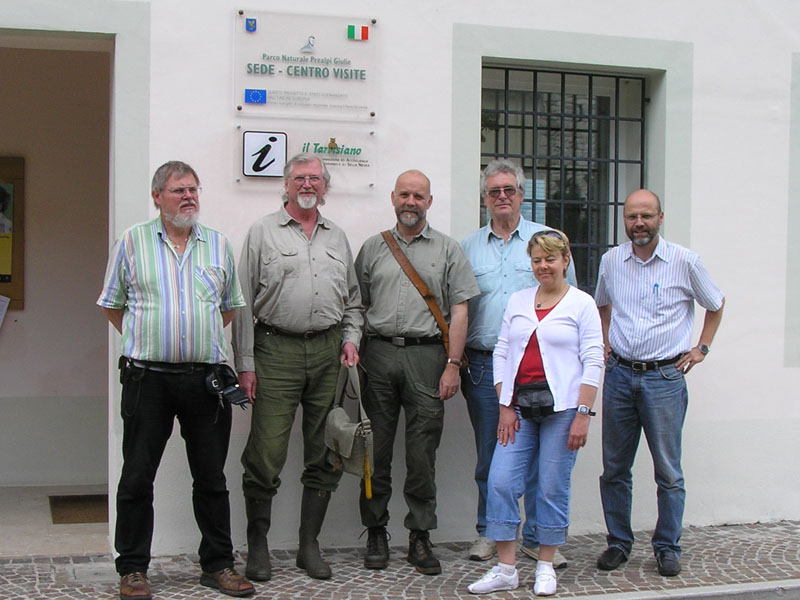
[[486, 276], [278, 264], [288, 260], [523, 274], [334, 271], [210, 281], [667, 298]]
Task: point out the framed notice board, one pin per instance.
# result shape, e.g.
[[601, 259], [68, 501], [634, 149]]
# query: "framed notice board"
[[12, 230]]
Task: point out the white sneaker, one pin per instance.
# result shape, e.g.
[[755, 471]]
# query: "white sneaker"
[[495, 581], [482, 549], [546, 582], [559, 562]]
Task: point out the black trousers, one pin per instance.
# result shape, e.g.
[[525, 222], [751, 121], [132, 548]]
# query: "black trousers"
[[150, 403]]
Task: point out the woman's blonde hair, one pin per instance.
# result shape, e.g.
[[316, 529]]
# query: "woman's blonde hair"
[[552, 241]]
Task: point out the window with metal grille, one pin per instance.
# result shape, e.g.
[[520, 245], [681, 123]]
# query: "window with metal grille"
[[579, 137]]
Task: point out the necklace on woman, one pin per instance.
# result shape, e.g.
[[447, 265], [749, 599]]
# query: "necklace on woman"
[[563, 293]]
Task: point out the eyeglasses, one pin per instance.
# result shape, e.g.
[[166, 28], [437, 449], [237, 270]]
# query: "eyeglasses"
[[643, 217], [181, 191], [509, 191], [301, 179]]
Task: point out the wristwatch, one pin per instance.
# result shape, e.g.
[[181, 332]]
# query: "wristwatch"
[[454, 361], [585, 410], [704, 349]]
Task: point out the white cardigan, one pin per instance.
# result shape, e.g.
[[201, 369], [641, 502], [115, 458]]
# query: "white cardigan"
[[570, 341]]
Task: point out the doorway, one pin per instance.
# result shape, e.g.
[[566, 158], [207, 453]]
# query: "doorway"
[[55, 114]]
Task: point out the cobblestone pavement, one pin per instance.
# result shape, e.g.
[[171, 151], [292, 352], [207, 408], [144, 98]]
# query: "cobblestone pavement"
[[732, 559]]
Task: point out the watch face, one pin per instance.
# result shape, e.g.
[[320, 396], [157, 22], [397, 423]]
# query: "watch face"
[[583, 409], [703, 348]]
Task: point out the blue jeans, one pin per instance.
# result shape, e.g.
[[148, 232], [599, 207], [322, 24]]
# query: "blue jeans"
[[477, 385], [655, 401], [542, 443]]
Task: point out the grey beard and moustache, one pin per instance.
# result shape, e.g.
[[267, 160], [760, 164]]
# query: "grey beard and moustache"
[[406, 220], [307, 201], [651, 234], [184, 221]]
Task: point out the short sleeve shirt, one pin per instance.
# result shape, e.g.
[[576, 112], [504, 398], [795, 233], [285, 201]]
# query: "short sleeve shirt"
[[394, 307]]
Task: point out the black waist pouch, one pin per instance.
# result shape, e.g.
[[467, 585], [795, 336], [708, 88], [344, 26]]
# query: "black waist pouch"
[[534, 399]]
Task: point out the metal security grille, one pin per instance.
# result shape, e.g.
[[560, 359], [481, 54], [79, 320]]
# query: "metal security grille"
[[579, 137]]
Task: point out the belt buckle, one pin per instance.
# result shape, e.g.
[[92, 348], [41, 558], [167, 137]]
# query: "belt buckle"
[[398, 341], [308, 334], [639, 365]]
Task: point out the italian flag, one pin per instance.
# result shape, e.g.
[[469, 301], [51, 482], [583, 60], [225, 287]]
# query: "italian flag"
[[357, 32]]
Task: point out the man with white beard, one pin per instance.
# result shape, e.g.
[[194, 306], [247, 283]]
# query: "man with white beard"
[[302, 318], [170, 289]]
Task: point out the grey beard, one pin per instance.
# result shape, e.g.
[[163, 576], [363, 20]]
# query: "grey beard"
[[184, 221], [306, 202], [407, 220]]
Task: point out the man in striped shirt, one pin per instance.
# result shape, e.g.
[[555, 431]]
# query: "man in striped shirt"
[[170, 289], [646, 290]]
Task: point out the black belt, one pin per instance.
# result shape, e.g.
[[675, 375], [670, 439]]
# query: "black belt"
[[165, 367], [481, 352], [645, 365], [293, 334], [411, 341]]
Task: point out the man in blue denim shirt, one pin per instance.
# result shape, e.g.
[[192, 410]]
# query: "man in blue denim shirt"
[[646, 290], [497, 253]]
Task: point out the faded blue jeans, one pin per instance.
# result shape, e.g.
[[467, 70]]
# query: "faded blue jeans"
[[654, 401], [477, 385], [542, 442]]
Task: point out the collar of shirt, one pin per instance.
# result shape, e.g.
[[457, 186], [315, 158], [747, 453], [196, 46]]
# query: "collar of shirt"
[[425, 233], [286, 218], [661, 251], [491, 235], [162, 234]]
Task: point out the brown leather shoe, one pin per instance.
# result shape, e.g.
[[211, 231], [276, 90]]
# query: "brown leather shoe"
[[134, 586], [227, 581]]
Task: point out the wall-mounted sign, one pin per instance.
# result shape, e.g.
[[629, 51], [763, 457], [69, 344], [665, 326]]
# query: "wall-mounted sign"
[[292, 65], [348, 151], [263, 153]]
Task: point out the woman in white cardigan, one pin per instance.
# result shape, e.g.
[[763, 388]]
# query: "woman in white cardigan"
[[547, 366]]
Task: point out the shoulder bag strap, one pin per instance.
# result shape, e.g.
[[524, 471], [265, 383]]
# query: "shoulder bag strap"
[[422, 288], [352, 375], [346, 381]]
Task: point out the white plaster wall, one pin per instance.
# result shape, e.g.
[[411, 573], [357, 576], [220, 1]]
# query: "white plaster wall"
[[732, 180], [735, 178]]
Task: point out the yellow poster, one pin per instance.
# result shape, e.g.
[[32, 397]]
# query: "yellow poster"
[[6, 228], [5, 256]]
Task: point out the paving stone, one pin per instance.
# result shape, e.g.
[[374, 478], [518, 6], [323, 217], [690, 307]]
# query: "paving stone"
[[712, 556]]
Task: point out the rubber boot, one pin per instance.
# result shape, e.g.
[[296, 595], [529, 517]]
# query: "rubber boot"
[[258, 521], [312, 514]]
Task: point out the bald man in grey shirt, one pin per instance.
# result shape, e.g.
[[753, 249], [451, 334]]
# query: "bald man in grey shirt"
[[407, 366]]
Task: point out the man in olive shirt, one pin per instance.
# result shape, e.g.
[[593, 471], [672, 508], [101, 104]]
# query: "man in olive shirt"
[[407, 366], [303, 316]]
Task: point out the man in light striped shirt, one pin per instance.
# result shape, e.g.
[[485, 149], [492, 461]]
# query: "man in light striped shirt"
[[646, 290], [170, 289]]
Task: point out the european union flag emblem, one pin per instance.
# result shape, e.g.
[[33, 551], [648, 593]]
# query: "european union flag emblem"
[[250, 25], [255, 96]]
